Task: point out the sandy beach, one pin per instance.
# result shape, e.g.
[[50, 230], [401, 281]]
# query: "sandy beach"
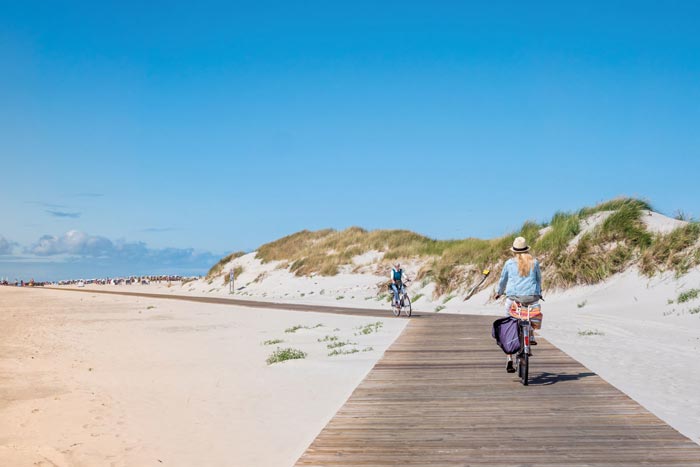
[[122, 381], [628, 329]]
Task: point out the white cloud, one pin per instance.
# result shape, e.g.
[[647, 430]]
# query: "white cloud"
[[82, 245], [72, 242], [6, 246]]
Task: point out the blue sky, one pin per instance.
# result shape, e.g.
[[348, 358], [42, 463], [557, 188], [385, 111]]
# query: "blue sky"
[[148, 138]]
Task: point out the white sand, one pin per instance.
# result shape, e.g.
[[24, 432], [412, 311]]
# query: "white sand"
[[624, 329], [124, 381], [640, 344]]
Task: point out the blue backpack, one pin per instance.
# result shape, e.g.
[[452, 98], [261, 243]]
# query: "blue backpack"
[[506, 331]]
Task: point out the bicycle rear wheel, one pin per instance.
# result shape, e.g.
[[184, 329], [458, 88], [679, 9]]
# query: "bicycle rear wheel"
[[406, 305]]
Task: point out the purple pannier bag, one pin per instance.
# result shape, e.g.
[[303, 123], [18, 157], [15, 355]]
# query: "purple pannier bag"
[[505, 331]]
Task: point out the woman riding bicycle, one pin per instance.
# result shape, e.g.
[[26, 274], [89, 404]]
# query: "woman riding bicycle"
[[397, 276], [521, 282]]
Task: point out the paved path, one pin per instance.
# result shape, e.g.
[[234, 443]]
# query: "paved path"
[[440, 397]]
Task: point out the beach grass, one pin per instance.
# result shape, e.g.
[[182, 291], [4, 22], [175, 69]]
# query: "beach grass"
[[613, 244], [218, 268]]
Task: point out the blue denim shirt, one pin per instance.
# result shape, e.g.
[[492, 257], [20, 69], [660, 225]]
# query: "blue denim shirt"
[[517, 285]]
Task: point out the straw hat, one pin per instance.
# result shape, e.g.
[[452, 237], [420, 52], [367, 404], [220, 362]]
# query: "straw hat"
[[520, 245]]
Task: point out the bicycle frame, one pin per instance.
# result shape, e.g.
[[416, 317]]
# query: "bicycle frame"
[[523, 356]]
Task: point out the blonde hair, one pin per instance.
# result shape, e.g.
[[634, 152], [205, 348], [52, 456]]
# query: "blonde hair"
[[525, 263]]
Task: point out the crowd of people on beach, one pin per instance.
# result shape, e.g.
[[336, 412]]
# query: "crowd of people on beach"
[[22, 283], [128, 280]]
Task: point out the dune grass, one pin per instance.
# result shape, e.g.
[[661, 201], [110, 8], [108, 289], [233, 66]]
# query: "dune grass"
[[673, 251], [218, 268], [615, 243]]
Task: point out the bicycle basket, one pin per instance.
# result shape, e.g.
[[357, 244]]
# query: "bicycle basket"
[[522, 313]]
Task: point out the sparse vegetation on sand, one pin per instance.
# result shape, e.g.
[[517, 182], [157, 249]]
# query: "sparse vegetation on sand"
[[296, 327], [337, 344], [688, 295], [328, 339], [341, 351], [369, 328], [591, 332], [273, 341], [282, 355]]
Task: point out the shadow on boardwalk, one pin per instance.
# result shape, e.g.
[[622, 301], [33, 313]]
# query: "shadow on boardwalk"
[[544, 379]]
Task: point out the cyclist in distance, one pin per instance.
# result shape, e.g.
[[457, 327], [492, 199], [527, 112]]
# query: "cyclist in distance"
[[520, 281], [397, 276]]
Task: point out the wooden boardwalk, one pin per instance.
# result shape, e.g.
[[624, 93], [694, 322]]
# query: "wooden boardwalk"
[[440, 396]]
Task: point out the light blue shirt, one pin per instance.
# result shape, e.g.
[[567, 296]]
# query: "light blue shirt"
[[518, 285]]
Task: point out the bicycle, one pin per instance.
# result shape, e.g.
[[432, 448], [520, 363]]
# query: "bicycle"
[[404, 303], [522, 358]]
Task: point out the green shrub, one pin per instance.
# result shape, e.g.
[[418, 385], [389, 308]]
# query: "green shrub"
[[688, 295], [281, 355]]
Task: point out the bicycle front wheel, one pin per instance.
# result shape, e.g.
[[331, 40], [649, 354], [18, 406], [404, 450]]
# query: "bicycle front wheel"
[[524, 368], [406, 305]]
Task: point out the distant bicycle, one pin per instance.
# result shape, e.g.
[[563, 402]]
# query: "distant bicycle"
[[404, 303]]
